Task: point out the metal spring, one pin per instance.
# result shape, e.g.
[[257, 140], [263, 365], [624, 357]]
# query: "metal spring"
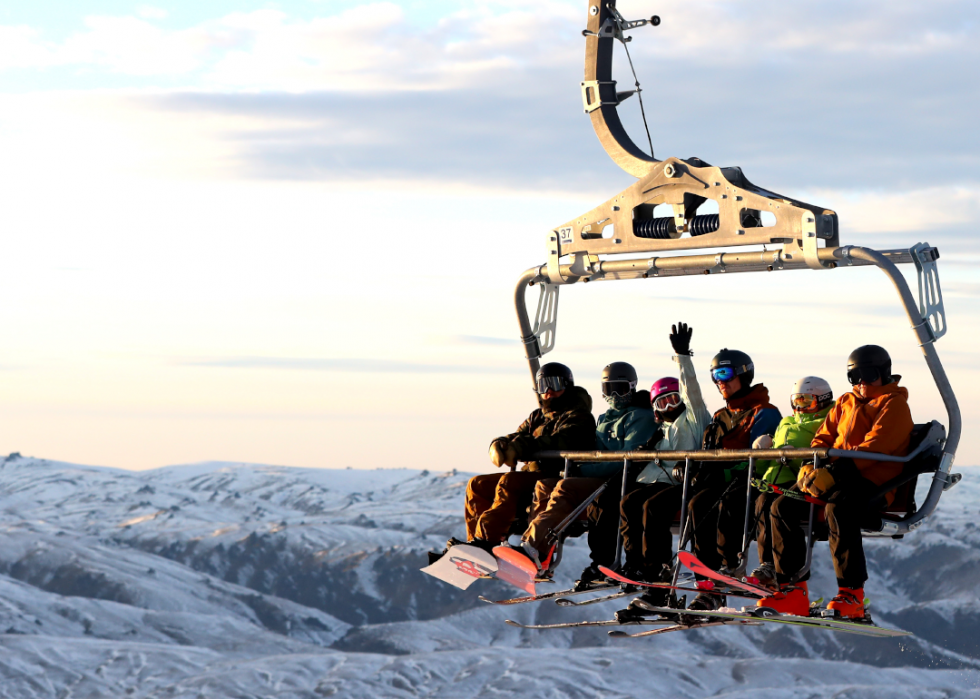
[[654, 228], [708, 223]]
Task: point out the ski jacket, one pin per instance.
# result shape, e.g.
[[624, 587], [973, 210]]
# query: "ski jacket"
[[566, 424], [882, 423], [686, 431], [621, 430], [737, 425], [796, 430]]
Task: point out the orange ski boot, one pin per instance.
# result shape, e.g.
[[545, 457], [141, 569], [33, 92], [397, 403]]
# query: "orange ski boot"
[[849, 603], [790, 599]]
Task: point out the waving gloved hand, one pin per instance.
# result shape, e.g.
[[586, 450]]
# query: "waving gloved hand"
[[680, 338], [502, 453], [818, 482]]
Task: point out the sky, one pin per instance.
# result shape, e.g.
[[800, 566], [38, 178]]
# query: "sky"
[[289, 232]]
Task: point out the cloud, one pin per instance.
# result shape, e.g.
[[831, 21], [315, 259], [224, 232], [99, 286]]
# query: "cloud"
[[349, 365]]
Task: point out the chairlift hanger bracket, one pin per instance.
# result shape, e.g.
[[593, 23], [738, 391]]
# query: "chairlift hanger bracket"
[[802, 236]]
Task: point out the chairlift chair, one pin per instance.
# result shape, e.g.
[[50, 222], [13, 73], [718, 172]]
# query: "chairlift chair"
[[804, 236]]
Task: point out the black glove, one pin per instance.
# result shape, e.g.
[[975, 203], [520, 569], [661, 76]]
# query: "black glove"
[[680, 338], [678, 473]]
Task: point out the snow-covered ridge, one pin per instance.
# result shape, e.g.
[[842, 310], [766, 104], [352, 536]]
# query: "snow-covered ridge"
[[238, 579]]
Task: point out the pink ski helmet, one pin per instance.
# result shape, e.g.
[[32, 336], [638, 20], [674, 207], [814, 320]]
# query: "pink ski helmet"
[[667, 384]]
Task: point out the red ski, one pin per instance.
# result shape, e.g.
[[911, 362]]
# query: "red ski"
[[691, 562]]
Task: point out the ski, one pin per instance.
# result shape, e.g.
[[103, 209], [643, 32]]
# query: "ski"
[[683, 627], [690, 561], [582, 624], [700, 586], [763, 614], [550, 595], [605, 598]]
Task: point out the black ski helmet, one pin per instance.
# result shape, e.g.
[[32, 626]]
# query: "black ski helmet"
[[619, 371], [555, 376], [867, 359], [618, 378], [740, 362]]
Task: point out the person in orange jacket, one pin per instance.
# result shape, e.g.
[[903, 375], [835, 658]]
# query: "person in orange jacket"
[[873, 417]]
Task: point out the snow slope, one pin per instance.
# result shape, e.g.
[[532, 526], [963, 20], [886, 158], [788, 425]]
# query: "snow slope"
[[232, 580]]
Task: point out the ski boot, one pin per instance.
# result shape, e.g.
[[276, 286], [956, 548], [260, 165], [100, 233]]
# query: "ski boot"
[[764, 576], [705, 601], [590, 579], [789, 599], [848, 604]]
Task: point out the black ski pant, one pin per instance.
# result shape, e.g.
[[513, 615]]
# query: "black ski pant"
[[648, 512], [849, 510], [717, 513], [603, 517]]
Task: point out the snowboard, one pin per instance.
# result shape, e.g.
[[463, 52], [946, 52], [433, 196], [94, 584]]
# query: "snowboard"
[[462, 565], [515, 568]]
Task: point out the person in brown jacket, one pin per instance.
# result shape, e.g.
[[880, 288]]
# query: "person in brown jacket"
[[717, 504], [873, 417], [564, 421]]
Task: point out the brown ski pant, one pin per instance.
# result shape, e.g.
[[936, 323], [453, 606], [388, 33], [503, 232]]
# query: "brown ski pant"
[[554, 500], [495, 500]]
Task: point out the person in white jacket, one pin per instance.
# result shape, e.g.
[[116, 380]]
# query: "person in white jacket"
[[649, 510]]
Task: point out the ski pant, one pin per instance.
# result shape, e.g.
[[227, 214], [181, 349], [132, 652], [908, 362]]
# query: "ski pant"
[[604, 521], [554, 500], [648, 512], [848, 511], [717, 514], [494, 501], [763, 530]]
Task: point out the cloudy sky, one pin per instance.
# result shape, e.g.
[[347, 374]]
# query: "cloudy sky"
[[289, 232]]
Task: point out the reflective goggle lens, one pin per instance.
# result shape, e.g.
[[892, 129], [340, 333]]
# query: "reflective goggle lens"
[[551, 383], [617, 388], [667, 401], [863, 374], [803, 401], [722, 374]]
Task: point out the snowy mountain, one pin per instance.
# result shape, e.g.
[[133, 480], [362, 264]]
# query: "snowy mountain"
[[235, 580]]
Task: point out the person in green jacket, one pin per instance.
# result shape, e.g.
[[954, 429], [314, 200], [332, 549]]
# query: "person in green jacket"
[[812, 399]]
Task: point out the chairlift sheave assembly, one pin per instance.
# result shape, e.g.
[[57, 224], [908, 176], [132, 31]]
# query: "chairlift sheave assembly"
[[794, 235]]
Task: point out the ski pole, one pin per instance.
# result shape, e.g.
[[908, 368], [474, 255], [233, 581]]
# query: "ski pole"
[[744, 562], [619, 533], [682, 535]]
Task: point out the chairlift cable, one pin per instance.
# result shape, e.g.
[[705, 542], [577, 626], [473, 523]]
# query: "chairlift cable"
[[639, 96]]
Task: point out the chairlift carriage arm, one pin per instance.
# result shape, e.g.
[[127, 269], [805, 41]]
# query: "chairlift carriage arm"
[[801, 236]]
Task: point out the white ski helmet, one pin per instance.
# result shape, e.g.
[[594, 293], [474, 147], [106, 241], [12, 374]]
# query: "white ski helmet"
[[810, 394]]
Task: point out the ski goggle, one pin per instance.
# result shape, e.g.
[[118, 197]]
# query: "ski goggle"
[[803, 402], [617, 388], [551, 383], [863, 374], [722, 374], [666, 401]]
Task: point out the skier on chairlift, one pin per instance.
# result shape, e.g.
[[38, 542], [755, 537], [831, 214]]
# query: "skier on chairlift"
[[873, 417], [648, 510], [628, 424], [717, 506], [563, 421], [811, 401]]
